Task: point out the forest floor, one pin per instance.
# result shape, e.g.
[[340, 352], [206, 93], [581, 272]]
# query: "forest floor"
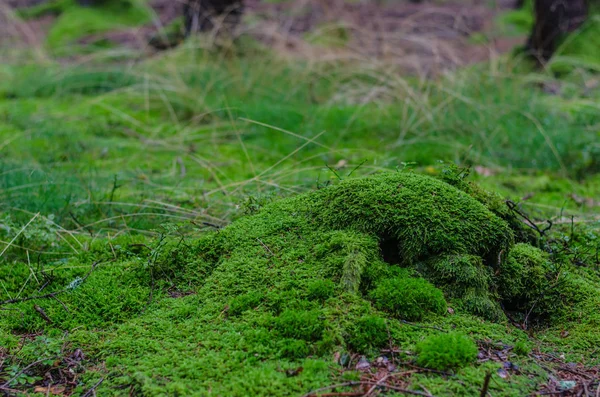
[[150, 242]]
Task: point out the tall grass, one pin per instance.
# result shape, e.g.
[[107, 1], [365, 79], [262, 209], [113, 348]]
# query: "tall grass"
[[189, 134]]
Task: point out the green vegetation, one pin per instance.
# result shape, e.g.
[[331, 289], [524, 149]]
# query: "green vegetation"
[[408, 298], [446, 351], [75, 22], [245, 223]]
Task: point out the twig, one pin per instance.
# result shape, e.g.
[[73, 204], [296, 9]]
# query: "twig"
[[576, 372], [62, 303], [334, 172], [50, 295], [378, 383], [513, 207], [89, 392], [265, 247], [486, 385], [42, 314], [433, 371], [401, 390]]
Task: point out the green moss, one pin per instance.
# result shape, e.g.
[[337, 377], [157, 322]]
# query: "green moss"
[[526, 280], [522, 348], [368, 332], [408, 298], [76, 22], [320, 290], [244, 302], [293, 348], [302, 277], [446, 351], [305, 325]]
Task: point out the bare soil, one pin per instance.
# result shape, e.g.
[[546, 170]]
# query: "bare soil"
[[424, 37]]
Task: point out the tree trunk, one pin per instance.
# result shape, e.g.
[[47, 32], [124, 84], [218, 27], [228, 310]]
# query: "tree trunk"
[[553, 20], [206, 15]]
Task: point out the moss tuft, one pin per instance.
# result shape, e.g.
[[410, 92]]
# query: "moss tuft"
[[244, 302], [368, 332], [293, 348], [525, 279], [446, 351], [522, 348], [298, 324], [408, 298], [320, 290]]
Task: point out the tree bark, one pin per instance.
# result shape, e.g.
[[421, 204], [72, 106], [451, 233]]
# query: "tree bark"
[[206, 15], [554, 19]]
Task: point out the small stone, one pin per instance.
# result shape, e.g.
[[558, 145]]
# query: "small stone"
[[363, 364], [567, 384]]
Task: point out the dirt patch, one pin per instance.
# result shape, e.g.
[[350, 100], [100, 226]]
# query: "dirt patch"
[[425, 38], [19, 33], [23, 3]]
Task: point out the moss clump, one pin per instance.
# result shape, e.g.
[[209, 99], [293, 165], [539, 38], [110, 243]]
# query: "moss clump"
[[446, 351], [320, 290], [298, 324], [466, 279], [484, 306], [367, 333], [525, 280], [457, 177], [294, 348], [408, 298], [244, 302], [522, 348]]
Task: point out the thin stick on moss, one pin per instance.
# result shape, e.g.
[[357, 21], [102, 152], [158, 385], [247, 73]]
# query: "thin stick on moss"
[[92, 390], [513, 207], [423, 326], [486, 384]]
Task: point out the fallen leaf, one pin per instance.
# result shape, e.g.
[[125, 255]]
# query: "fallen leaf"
[[55, 390]]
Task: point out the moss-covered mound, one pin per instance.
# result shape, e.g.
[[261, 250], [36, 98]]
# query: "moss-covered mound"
[[402, 243], [360, 233], [343, 267]]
